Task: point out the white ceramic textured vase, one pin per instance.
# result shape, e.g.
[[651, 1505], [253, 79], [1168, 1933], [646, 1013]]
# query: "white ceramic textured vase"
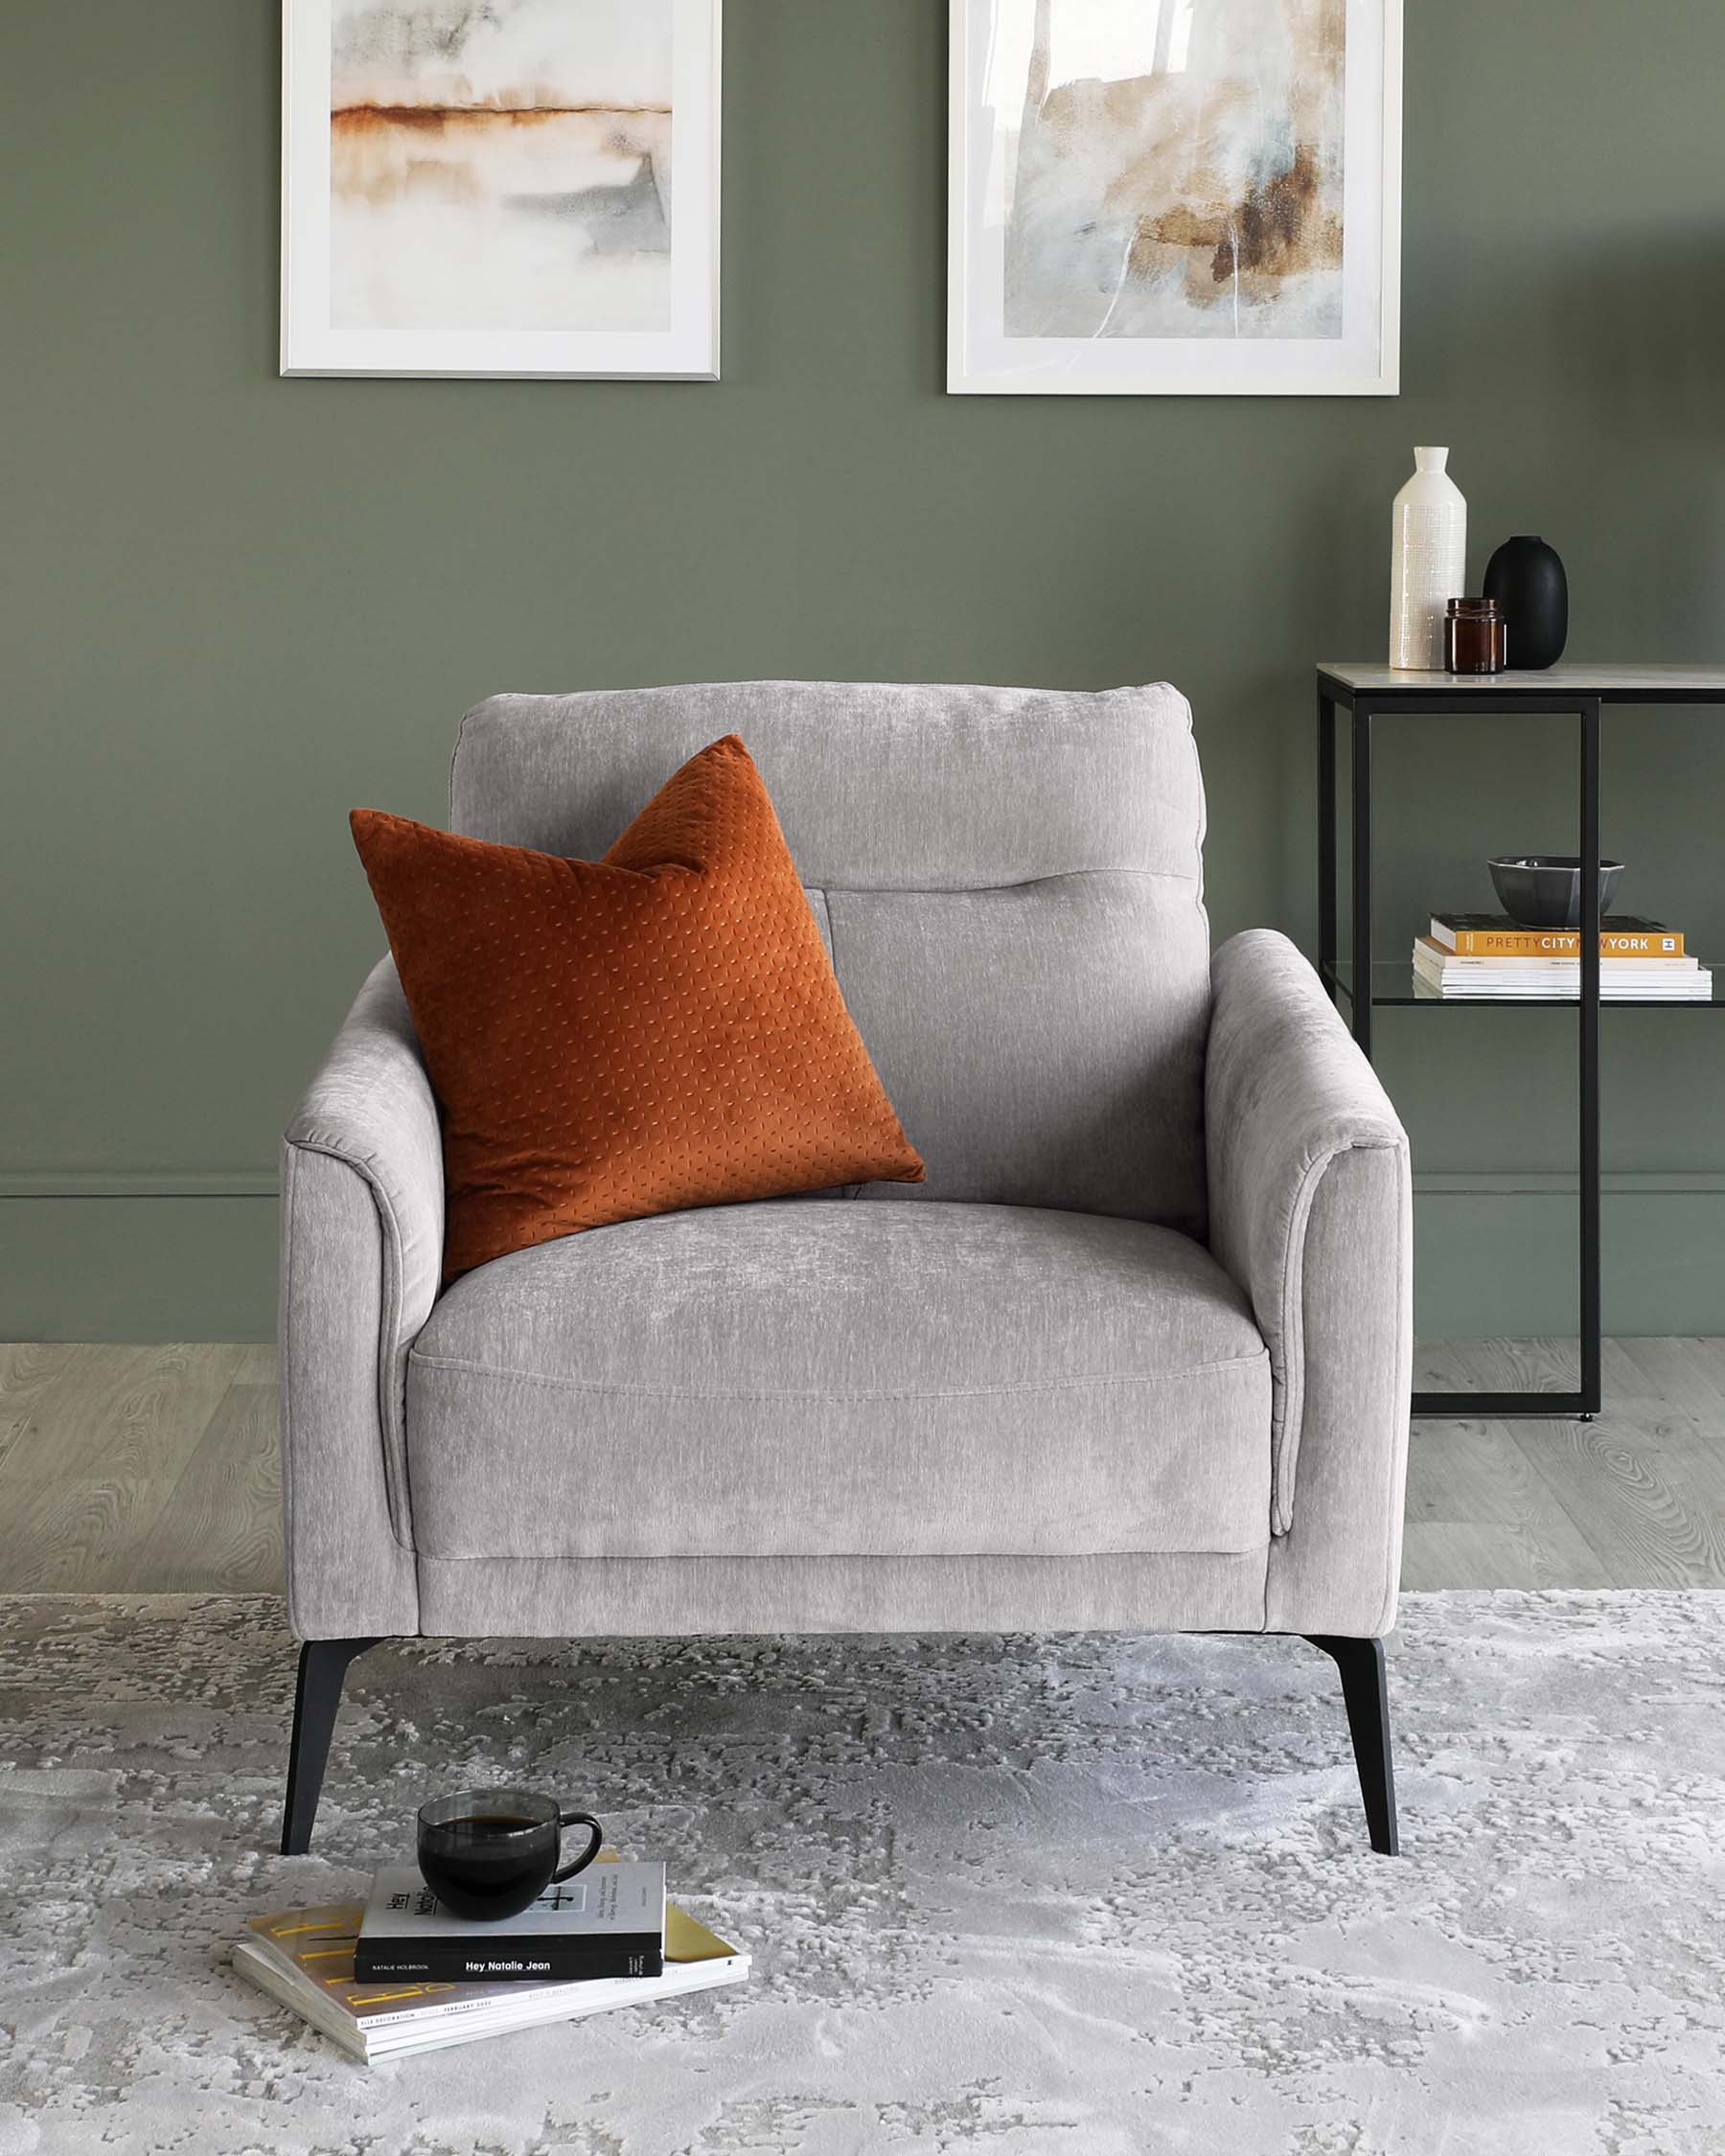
[[1428, 560]]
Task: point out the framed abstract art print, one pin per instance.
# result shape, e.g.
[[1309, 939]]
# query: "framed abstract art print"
[[1186, 197], [500, 187]]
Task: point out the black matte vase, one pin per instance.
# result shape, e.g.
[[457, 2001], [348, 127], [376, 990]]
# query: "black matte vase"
[[1525, 578]]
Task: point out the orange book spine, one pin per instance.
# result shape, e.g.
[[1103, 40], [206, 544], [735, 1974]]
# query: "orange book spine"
[[1561, 943]]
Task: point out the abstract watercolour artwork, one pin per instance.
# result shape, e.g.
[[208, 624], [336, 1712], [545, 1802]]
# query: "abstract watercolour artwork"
[[1175, 196], [500, 187]]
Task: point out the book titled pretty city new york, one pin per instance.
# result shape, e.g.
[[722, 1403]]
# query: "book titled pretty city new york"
[[1494, 935], [608, 1922]]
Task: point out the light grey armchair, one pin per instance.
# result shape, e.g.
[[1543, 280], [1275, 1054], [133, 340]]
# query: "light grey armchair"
[[1135, 1356]]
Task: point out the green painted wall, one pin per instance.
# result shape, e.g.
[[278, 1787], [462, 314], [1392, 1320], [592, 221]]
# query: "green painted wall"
[[233, 606]]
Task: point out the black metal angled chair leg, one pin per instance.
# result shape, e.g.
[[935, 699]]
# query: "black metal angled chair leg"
[[323, 1665], [1366, 1698]]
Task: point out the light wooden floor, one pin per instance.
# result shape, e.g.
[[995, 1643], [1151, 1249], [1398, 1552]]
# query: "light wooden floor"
[[153, 1469]]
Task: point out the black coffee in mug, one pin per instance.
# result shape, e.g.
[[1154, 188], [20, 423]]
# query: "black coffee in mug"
[[487, 1853]]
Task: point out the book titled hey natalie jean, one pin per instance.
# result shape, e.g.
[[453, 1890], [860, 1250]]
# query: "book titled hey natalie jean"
[[608, 1922]]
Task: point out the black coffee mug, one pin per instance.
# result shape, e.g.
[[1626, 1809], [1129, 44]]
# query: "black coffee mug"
[[491, 1852]]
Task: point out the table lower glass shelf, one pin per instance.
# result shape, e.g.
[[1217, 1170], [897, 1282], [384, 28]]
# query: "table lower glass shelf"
[[1396, 984]]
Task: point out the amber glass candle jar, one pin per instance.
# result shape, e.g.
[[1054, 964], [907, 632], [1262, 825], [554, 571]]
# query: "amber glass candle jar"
[[1474, 639]]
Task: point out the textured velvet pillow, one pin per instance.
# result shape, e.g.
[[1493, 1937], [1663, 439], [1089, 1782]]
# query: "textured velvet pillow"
[[609, 1039]]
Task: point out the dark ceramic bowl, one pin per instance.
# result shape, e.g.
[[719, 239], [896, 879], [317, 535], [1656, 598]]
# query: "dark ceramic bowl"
[[1544, 890]]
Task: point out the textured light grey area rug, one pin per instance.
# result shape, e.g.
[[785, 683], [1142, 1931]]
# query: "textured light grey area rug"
[[1083, 1894]]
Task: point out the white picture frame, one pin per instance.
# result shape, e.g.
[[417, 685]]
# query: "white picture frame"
[[1361, 358], [316, 338]]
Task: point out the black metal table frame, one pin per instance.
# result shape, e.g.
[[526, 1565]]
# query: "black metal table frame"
[[1435, 702]]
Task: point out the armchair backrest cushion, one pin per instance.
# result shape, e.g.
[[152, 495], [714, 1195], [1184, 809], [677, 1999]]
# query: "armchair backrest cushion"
[[1009, 883]]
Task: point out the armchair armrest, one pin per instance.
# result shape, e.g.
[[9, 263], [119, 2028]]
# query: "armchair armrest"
[[362, 1224], [1311, 1211]]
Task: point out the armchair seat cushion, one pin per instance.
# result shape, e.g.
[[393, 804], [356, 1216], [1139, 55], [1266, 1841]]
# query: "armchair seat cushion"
[[818, 1377]]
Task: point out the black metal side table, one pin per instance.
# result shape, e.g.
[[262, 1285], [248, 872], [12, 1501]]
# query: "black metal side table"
[[1363, 984]]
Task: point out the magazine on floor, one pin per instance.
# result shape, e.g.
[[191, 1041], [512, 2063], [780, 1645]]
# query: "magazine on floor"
[[304, 1958]]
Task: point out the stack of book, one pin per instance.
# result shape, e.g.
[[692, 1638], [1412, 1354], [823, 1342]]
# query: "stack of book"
[[398, 1974], [1486, 956]]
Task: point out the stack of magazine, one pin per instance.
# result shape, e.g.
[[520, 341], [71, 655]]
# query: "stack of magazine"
[[1487, 956], [398, 1974]]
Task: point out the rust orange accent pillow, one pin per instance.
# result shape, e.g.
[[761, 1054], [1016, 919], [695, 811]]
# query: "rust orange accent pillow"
[[610, 1039]]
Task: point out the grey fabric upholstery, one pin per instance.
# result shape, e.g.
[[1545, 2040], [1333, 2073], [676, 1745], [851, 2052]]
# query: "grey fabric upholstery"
[[829, 1379], [666, 1597], [880, 785], [1336, 1567], [1311, 1211], [1011, 885], [1286, 1095], [361, 1253], [1025, 1397]]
